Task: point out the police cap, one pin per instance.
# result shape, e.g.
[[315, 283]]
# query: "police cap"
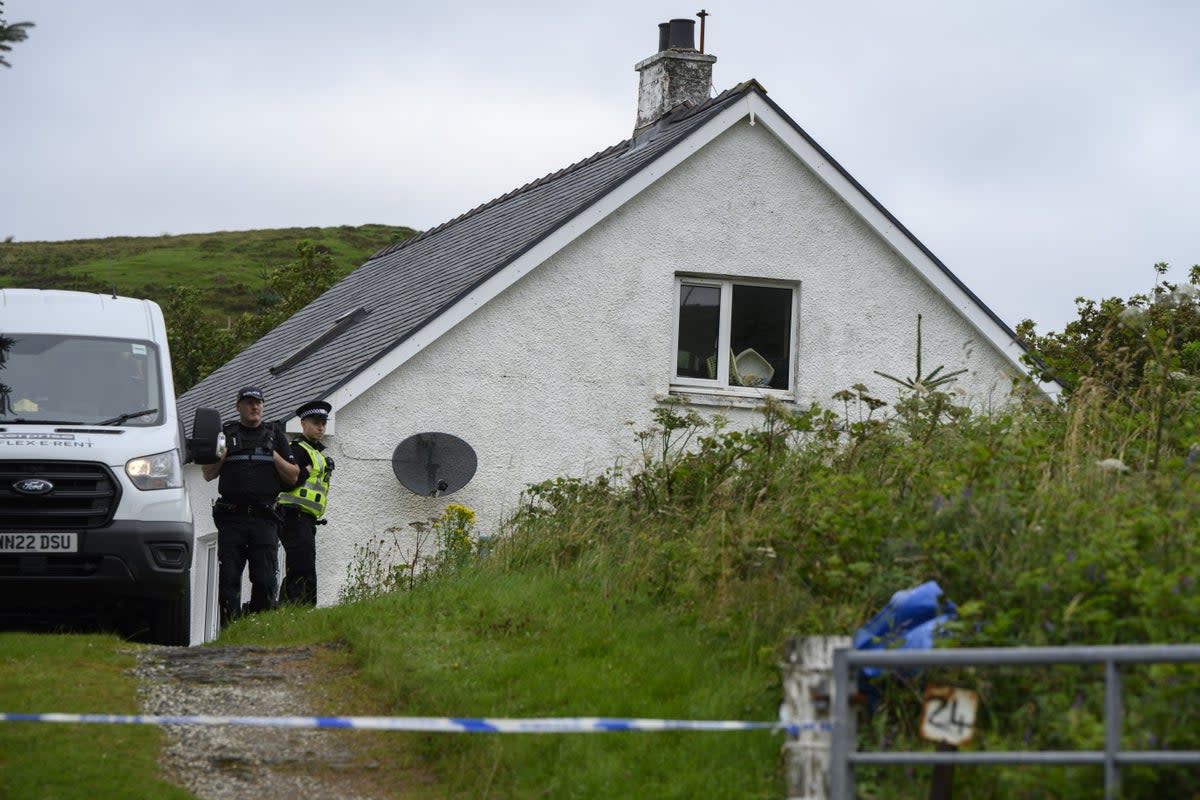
[[252, 392], [314, 408]]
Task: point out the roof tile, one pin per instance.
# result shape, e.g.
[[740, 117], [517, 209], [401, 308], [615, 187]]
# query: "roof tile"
[[408, 284]]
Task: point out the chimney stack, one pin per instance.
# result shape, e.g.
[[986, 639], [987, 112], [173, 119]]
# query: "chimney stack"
[[676, 74]]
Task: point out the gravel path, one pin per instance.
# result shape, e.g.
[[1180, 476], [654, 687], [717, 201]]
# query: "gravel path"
[[230, 762]]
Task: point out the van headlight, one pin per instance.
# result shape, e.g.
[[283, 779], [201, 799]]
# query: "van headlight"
[[159, 471]]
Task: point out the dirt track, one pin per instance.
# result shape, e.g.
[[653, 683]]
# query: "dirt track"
[[230, 762]]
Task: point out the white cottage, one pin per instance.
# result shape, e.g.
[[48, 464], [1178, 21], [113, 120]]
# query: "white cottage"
[[718, 256]]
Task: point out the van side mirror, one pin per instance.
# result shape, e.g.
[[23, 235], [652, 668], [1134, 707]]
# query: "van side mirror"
[[207, 443]]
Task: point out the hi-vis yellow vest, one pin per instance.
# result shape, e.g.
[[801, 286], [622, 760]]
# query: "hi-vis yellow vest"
[[312, 495]]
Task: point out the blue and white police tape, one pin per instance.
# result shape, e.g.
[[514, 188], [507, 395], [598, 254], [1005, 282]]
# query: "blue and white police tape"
[[433, 724]]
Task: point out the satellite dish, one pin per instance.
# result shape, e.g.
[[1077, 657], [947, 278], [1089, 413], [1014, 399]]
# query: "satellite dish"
[[433, 464]]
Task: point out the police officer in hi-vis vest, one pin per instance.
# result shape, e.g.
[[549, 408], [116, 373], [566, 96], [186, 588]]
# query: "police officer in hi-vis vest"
[[258, 464], [304, 506]]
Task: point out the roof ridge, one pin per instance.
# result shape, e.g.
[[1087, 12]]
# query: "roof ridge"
[[678, 114], [547, 178]]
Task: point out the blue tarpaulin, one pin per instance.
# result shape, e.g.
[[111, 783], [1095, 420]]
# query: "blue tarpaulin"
[[910, 621]]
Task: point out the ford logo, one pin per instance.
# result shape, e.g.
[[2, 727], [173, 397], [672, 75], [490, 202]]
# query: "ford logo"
[[33, 486]]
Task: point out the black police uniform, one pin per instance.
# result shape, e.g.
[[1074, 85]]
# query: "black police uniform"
[[246, 518]]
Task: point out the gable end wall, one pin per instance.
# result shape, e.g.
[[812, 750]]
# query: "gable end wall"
[[555, 374]]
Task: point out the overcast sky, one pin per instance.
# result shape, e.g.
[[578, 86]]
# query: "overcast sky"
[[1042, 149]]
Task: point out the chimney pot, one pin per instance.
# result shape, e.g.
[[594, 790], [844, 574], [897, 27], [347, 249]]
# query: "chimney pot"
[[675, 75], [682, 34]]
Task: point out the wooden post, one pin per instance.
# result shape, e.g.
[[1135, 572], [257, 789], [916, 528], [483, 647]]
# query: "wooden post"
[[808, 698], [947, 718], [942, 786]]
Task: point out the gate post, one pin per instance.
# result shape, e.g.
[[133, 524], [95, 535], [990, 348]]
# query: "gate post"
[[808, 698]]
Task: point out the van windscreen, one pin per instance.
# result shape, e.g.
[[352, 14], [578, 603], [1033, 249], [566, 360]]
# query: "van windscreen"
[[79, 380]]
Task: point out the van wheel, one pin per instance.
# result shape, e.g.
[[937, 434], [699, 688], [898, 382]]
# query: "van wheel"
[[171, 620]]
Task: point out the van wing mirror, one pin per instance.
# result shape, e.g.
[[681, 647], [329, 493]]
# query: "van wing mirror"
[[207, 444]]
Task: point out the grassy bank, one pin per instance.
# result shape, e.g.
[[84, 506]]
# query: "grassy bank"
[[541, 643]]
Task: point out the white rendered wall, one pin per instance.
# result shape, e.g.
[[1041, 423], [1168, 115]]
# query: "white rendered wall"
[[554, 375]]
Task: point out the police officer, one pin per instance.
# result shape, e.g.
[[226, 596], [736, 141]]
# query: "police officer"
[[258, 463], [304, 506]]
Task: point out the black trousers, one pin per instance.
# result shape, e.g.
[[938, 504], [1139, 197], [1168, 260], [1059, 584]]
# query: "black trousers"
[[242, 541], [299, 537]]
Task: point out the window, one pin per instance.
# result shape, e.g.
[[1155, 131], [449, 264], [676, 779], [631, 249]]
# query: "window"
[[80, 380], [731, 334]]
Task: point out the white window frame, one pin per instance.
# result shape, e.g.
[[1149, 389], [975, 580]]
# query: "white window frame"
[[720, 384]]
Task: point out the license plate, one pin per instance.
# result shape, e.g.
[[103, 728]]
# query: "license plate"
[[39, 542]]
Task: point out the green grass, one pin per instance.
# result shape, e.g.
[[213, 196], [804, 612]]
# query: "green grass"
[[491, 643], [74, 674], [544, 644], [228, 267]]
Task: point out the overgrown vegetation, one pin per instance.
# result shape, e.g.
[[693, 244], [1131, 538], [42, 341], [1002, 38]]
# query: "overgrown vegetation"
[[1118, 343], [393, 563]]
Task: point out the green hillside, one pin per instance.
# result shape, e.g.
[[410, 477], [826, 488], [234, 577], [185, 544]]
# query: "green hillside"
[[219, 291], [229, 269]]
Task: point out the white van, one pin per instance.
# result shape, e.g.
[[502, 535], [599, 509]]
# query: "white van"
[[94, 517]]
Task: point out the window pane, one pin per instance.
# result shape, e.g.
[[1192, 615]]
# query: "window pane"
[[760, 333], [699, 327]]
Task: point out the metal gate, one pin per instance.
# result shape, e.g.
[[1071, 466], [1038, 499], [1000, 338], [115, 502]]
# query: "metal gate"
[[845, 668]]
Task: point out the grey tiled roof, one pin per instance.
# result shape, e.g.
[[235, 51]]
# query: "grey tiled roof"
[[407, 285]]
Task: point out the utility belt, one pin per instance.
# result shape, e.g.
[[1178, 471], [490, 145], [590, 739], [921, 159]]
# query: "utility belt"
[[295, 511], [226, 508]]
